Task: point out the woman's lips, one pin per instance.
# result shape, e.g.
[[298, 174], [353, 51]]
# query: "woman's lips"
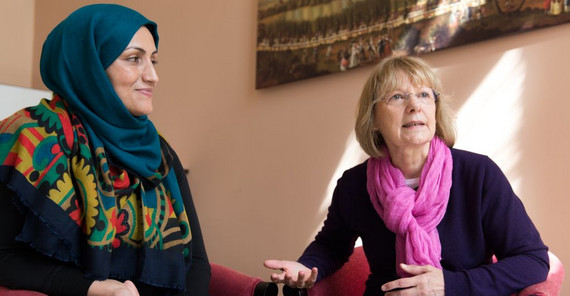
[[145, 91], [412, 124]]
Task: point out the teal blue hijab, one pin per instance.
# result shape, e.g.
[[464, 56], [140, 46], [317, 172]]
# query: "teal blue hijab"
[[73, 62]]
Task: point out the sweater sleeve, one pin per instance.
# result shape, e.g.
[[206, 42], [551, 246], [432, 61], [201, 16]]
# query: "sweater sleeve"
[[510, 235], [198, 277], [24, 268], [334, 243]]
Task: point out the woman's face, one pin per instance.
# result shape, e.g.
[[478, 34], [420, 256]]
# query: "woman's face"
[[411, 124], [133, 74]]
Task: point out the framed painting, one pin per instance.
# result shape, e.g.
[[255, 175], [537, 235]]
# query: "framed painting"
[[299, 39]]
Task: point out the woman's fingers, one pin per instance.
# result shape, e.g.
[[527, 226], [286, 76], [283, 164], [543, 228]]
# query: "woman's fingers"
[[305, 278], [277, 278], [402, 283], [132, 288], [113, 287], [294, 274], [416, 269], [276, 265], [300, 283], [312, 278], [425, 280], [289, 281], [273, 264]]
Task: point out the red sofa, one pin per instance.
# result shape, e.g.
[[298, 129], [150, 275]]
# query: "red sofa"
[[351, 278], [223, 282]]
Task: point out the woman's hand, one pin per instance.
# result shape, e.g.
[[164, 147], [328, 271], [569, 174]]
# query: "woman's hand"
[[294, 274], [112, 288], [426, 280]]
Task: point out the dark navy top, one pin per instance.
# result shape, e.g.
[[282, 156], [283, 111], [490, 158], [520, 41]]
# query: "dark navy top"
[[483, 217]]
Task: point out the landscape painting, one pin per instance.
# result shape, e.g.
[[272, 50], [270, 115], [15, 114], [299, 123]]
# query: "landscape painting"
[[299, 39]]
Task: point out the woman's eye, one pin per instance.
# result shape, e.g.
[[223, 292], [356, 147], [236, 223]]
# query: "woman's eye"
[[133, 59], [396, 97], [425, 94]]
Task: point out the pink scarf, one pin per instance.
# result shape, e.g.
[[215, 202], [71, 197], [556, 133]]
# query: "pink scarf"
[[413, 215]]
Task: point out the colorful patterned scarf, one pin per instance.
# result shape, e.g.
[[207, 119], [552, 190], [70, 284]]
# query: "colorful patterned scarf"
[[73, 211], [58, 158], [413, 215]]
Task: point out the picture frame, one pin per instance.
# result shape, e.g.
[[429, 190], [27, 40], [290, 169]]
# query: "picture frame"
[[300, 39]]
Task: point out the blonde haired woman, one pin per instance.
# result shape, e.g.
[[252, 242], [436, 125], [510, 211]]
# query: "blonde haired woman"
[[430, 216]]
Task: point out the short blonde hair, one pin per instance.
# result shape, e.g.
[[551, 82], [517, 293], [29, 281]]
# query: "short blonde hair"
[[383, 80]]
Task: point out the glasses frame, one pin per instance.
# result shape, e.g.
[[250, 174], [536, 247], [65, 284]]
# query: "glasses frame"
[[407, 98]]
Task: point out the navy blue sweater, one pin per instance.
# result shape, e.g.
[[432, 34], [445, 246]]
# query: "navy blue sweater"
[[483, 217]]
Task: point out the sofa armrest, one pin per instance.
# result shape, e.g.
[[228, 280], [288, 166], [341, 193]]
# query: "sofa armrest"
[[7, 292], [552, 284], [226, 281]]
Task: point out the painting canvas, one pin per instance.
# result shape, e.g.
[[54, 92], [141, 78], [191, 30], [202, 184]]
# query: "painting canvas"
[[299, 39]]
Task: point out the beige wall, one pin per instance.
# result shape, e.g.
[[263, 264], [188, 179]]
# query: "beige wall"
[[263, 162], [17, 31]]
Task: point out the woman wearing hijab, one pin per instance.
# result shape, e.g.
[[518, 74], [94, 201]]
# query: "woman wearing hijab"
[[93, 201], [430, 216]]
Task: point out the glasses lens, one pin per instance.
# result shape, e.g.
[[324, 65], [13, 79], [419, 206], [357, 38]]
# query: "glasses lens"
[[399, 98]]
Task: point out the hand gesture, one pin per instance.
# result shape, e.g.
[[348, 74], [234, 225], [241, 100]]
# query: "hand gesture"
[[425, 280], [112, 288], [294, 274]]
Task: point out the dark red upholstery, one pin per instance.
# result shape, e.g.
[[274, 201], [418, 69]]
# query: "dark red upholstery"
[[224, 281], [5, 292], [351, 278]]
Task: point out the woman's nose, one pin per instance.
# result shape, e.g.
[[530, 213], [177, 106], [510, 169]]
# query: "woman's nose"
[[413, 103], [149, 74]]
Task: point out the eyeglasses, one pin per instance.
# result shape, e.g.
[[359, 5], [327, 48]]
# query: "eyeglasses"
[[399, 98]]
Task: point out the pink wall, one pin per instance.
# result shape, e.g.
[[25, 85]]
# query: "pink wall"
[[263, 162]]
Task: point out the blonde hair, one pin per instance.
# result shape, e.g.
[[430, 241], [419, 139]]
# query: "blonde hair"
[[383, 80]]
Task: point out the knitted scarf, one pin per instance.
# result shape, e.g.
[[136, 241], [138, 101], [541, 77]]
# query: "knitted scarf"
[[413, 215]]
